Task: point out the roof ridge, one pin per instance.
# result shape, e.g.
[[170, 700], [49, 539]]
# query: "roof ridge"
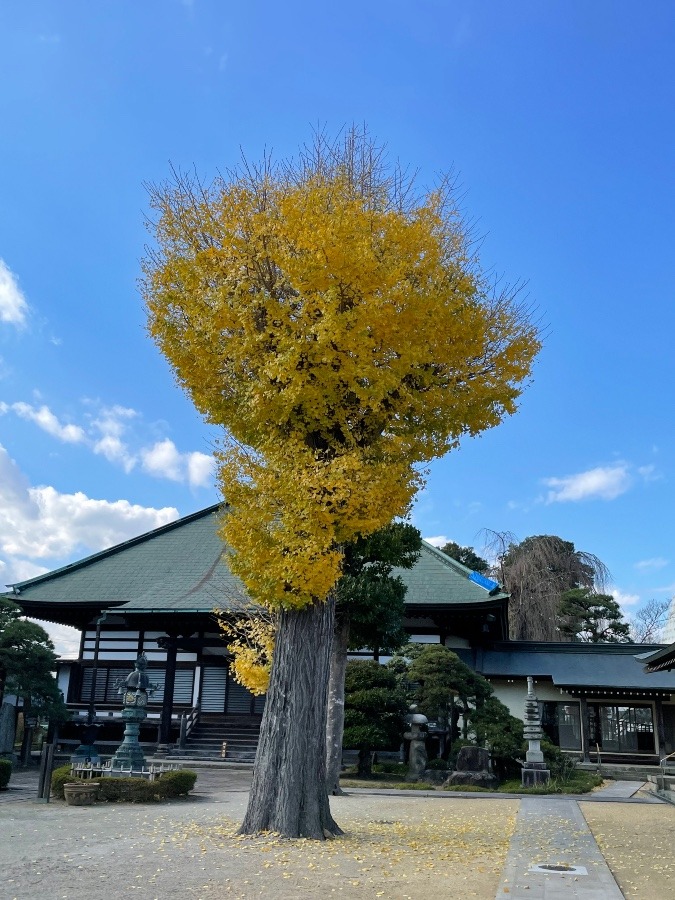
[[116, 548]]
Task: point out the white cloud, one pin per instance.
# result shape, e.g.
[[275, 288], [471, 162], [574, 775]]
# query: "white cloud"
[[199, 469], [624, 599], [108, 434], [39, 525], [13, 305], [649, 473], [440, 540], [45, 419], [164, 460], [111, 424], [650, 565], [603, 482]]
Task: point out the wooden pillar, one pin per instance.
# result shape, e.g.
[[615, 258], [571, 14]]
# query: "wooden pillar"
[[659, 729], [585, 726], [171, 647]]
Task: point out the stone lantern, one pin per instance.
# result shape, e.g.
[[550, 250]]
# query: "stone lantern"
[[135, 690]]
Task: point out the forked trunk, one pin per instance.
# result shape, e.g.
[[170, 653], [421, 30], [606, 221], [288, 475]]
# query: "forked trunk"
[[288, 793], [335, 719]]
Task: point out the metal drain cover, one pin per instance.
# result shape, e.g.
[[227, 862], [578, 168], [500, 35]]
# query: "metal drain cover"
[[558, 869]]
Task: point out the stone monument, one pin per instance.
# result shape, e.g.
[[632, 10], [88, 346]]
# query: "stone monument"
[[534, 769], [473, 768], [417, 735], [135, 689]]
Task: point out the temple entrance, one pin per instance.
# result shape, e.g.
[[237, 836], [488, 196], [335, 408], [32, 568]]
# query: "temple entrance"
[[221, 694]]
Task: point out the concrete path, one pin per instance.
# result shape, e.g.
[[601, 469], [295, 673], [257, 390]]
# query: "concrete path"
[[553, 833]]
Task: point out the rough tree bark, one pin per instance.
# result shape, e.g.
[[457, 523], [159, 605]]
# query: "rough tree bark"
[[288, 793], [335, 719]]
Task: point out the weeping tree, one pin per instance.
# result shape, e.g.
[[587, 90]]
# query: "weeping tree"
[[537, 572], [336, 323]]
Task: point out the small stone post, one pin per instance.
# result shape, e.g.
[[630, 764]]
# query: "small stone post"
[[416, 734], [534, 771]]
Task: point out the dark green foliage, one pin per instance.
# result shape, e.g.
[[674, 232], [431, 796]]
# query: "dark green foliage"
[[131, 790], [369, 595], [592, 618], [374, 707], [494, 725], [465, 555], [391, 768], [27, 660], [5, 773], [177, 784], [60, 777], [440, 764], [441, 676], [562, 765]]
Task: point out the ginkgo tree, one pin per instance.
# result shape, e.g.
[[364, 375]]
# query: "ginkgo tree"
[[336, 323]]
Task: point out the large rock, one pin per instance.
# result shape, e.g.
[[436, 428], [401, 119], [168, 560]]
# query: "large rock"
[[473, 759], [473, 768]]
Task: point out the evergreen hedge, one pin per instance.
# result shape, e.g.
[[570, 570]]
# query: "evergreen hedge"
[[131, 790], [5, 772]]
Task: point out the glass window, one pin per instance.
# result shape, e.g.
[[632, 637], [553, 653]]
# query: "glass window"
[[561, 723], [622, 729]]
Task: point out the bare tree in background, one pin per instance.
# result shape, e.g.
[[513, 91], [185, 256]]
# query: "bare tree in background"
[[536, 573], [647, 624]]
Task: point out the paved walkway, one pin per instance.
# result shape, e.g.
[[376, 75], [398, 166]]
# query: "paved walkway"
[[550, 832], [553, 855]]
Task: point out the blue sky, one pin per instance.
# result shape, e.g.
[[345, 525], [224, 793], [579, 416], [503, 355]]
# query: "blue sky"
[[558, 118]]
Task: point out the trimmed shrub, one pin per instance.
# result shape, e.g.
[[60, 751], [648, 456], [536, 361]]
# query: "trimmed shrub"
[[391, 768], [176, 784], [60, 777], [5, 772], [128, 790], [131, 790], [439, 764]]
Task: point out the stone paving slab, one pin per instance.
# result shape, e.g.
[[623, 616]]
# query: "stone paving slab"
[[553, 832]]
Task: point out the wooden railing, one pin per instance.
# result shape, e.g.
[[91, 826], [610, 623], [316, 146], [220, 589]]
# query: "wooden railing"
[[188, 721]]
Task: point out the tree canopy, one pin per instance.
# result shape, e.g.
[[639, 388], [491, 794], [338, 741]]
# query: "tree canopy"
[[336, 323], [592, 618], [465, 555], [374, 709], [27, 661], [369, 594], [537, 572]]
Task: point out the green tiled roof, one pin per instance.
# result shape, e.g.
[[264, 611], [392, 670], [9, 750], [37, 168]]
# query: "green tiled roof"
[[438, 580], [182, 567]]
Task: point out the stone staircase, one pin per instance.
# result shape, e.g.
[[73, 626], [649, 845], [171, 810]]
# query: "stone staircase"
[[240, 733]]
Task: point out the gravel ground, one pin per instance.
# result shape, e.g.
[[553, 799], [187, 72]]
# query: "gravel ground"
[[393, 848], [638, 843]]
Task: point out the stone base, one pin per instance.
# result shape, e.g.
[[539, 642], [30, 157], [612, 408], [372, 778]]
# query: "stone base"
[[535, 777], [477, 779]]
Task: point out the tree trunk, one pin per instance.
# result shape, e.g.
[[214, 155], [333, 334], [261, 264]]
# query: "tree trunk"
[[335, 720], [288, 794]]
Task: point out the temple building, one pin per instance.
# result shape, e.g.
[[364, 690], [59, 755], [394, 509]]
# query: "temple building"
[[157, 594]]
